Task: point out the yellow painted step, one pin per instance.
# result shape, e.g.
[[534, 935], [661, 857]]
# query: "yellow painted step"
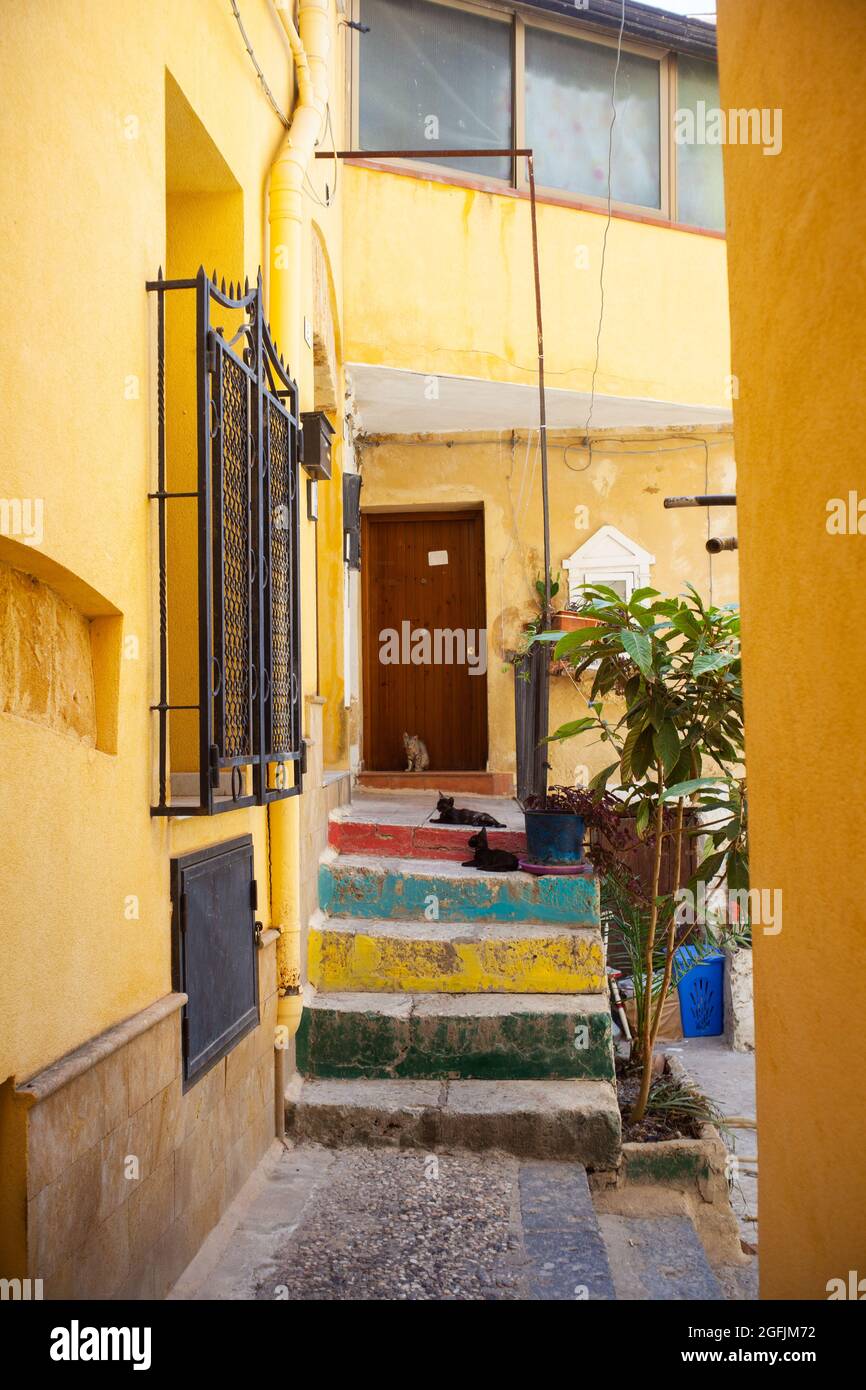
[[346, 954]]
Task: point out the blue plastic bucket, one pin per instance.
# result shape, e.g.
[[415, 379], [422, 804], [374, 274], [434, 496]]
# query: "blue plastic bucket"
[[701, 992], [554, 837]]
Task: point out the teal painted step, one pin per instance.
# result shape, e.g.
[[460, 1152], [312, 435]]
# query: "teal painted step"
[[355, 886], [462, 1036]]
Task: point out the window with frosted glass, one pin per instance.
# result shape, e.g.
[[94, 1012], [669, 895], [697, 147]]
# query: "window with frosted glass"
[[433, 75], [700, 184], [568, 115]]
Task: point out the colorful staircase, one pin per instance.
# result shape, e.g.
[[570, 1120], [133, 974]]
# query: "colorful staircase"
[[448, 1007]]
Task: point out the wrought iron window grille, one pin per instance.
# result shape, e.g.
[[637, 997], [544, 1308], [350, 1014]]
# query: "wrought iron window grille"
[[250, 744]]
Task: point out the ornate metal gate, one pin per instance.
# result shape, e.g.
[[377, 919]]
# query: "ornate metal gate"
[[248, 538]]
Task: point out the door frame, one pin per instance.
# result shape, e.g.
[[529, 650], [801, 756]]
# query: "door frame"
[[459, 511]]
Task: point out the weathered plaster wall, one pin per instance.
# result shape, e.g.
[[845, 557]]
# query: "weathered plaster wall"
[[46, 668], [439, 280], [622, 489], [795, 229]]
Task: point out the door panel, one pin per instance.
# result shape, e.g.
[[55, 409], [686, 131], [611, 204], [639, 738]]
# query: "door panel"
[[441, 702]]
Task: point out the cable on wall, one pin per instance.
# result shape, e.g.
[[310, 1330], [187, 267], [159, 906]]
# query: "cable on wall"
[[609, 219], [278, 111]]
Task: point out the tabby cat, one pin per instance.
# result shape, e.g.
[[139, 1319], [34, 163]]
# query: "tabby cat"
[[416, 752]]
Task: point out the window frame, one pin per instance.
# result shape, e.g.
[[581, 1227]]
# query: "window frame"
[[660, 56], [501, 14], [518, 184]]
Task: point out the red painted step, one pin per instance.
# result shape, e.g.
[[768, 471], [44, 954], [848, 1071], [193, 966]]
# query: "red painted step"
[[416, 841]]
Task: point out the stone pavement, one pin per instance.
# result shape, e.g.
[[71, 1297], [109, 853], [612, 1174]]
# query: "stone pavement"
[[385, 1224]]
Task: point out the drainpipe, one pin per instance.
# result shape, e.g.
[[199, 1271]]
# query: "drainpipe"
[[310, 44]]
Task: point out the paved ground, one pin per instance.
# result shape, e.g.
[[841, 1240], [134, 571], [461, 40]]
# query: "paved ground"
[[728, 1078], [369, 1224], [385, 1224]]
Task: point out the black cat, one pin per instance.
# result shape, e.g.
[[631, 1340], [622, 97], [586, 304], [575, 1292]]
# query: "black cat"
[[499, 860], [449, 814]]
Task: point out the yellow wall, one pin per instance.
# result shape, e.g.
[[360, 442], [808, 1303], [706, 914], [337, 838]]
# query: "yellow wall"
[[795, 229], [83, 150], [439, 280], [618, 488]]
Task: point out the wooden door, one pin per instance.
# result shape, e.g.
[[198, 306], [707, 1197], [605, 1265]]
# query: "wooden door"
[[424, 569]]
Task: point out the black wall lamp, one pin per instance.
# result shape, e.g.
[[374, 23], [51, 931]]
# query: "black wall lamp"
[[317, 433]]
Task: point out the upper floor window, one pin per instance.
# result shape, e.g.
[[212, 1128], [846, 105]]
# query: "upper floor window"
[[700, 187], [568, 111], [436, 75], [461, 76]]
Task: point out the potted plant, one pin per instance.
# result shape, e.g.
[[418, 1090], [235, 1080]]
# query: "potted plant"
[[570, 620], [675, 664], [557, 823]]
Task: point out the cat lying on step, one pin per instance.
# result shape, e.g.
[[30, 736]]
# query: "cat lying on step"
[[498, 860], [449, 814]]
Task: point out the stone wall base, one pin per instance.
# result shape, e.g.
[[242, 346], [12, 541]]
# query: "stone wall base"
[[122, 1173]]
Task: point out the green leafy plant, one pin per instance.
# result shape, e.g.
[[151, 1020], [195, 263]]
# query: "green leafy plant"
[[675, 664], [535, 626]]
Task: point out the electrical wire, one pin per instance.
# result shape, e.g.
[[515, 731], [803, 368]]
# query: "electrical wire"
[[261, 76], [607, 223], [310, 190]]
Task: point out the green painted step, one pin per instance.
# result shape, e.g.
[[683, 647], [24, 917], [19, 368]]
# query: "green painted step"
[[470, 1036], [421, 889]]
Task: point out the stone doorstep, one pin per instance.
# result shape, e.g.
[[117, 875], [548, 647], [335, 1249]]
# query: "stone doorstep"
[[570, 1119], [356, 886], [470, 1036], [481, 783], [347, 954]]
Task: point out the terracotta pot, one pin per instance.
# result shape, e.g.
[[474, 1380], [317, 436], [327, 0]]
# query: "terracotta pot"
[[565, 621]]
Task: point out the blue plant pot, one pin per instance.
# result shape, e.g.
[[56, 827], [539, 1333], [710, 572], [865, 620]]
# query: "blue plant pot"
[[554, 837], [701, 992]]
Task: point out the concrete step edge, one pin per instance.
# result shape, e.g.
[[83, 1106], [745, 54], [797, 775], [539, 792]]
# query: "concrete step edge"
[[574, 1119]]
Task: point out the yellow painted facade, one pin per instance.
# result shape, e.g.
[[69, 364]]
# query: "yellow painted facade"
[[133, 137], [796, 288], [137, 136], [439, 283]]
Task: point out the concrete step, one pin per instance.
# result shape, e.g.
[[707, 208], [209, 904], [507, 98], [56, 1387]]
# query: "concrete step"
[[356, 886], [533, 1119], [659, 1258], [470, 1036], [356, 953]]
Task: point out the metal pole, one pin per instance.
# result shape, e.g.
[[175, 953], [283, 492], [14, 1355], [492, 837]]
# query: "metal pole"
[[427, 155], [716, 499], [542, 407]]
